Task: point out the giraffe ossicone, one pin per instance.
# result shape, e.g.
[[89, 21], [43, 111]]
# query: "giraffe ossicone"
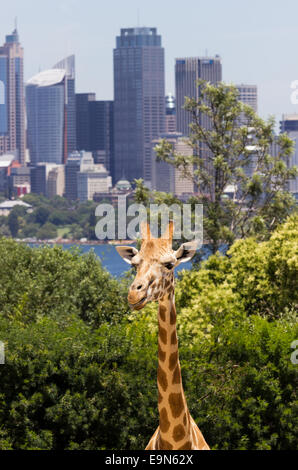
[[154, 281]]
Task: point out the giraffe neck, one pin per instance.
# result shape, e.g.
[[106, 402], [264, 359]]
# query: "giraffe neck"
[[174, 418]]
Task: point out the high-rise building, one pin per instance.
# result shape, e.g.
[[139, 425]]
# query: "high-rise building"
[[68, 64], [139, 100], [248, 94], [83, 120], [187, 71], [46, 117], [95, 128], [166, 177], [72, 167], [170, 114], [12, 105], [92, 178], [289, 124], [47, 179], [56, 181]]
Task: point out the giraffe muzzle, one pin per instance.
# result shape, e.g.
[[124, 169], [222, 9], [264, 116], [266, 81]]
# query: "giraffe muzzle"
[[138, 305]]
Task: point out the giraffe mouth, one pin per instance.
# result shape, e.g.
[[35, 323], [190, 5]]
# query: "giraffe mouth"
[[138, 305]]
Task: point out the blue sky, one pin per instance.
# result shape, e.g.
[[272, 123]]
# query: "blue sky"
[[256, 39]]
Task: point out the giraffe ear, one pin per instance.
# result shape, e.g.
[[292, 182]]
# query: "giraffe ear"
[[127, 252], [186, 251]]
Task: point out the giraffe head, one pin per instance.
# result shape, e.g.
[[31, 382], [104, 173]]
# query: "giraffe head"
[[154, 263]]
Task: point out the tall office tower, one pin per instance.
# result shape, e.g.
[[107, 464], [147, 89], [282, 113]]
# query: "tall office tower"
[[102, 132], [83, 120], [92, 178], [248, 94], [170, 114], [72, 167], [95, 128], [47, 132], [289, 124], [12, 105], [68, 64], [166, 177], [139, 101], [187, 71], [56, 181]]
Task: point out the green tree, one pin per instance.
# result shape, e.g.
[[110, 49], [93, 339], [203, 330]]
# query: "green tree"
[[13, 223], [47, 231], [41, 214], [235, 140]]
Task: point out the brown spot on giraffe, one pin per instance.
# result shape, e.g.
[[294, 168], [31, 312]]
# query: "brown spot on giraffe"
[[173, 360], [178, 433], [176, 404], [186, 446], [165, 445], [164, 422], [162, 312], [163, 335], [162, 378], [174, 338], [173, 315], [176, 376], [161, 354]]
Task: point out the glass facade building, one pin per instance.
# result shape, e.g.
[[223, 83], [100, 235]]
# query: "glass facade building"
[[12, 106], [45, 100], [3, 97], [95, 127], [68, 64], [187, 71], [139, 101]]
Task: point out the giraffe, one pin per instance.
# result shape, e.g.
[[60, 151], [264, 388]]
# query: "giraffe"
[[154, 281]]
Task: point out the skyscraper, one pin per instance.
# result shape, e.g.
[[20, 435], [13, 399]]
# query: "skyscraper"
[[187, 71], [170, 114], [83, 120], [47, 130], [68, 64], [95, 128], [289, 124], [139, 100], [12, 106], [248, 94]]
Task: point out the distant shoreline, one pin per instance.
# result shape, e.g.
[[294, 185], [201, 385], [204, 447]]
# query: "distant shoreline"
[[67, 241]]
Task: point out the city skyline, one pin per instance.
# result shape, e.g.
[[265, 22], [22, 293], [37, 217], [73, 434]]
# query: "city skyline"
[[250, 42]]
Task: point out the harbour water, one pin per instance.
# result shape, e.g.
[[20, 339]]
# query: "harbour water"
[[110, 258]]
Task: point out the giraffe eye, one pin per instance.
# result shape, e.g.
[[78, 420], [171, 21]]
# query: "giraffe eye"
[[169, 265]]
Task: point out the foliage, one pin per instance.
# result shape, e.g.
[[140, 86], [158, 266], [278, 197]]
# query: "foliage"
[[255, 278], [48, 217], [80, 369], [57, 283], [233, 150]]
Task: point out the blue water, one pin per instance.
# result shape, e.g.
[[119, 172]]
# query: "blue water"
[[110, 258]]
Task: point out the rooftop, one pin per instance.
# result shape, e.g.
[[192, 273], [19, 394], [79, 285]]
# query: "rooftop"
[[10, 204], [47, 78], [6, 160]]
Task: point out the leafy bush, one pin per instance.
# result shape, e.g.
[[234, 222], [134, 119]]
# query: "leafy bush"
[[80, 369], [57, 283]]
